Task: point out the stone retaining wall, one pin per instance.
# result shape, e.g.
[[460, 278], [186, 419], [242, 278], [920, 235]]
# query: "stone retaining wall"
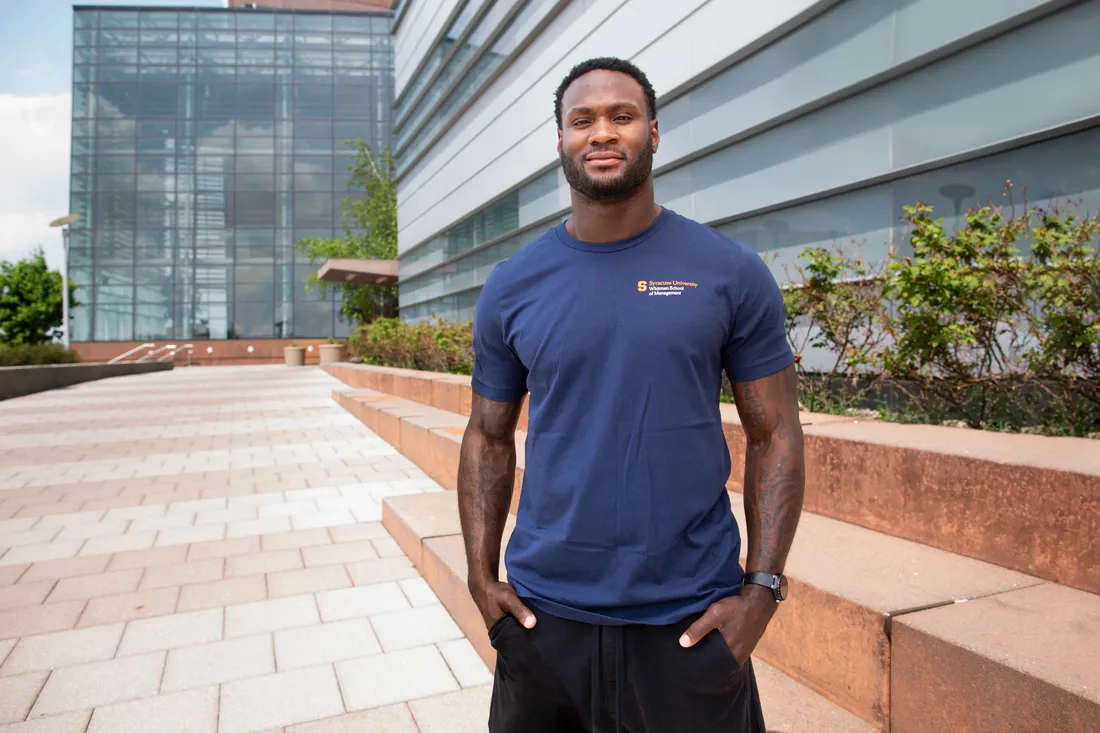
[[25, 380]]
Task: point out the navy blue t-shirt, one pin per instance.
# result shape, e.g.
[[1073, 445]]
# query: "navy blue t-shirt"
[[624, 515]]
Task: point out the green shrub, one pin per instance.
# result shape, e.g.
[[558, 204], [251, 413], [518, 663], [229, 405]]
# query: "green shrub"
[[34, 354], [995, 326], [436, 345]]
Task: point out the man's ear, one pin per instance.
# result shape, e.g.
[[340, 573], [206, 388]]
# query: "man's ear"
[[559, 141], [655, 135]]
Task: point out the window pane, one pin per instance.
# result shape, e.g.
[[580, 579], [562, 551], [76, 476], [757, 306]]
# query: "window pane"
[[159, 19], [159, 100], [313, 320], [216, 38], [164, 56], [256, 21], [153, 321], [216, 21], [159, 38], [117, 99], [124, 55], [256, 101], [125, 39], [305, 22], [313, 102], [118, 19]]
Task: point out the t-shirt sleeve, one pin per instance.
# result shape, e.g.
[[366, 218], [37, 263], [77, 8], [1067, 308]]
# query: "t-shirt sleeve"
[[757, 346], [498, 375]]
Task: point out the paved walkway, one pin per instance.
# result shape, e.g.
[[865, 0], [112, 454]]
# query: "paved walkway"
[[200, 550]]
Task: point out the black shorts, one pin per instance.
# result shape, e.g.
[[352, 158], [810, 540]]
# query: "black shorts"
[[569, 677]]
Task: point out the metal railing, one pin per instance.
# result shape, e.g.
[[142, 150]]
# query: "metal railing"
[[189, 348], [134, 350]]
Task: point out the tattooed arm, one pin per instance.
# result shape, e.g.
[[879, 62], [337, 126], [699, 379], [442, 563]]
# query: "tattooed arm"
[[774, 467], [774, 484], [486, 475]]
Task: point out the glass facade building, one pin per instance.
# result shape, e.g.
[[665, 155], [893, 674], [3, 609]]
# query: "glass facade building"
[[785, 125], [205, 143]]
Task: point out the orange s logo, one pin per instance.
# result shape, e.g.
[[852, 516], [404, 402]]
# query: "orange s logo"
[[641, 286]]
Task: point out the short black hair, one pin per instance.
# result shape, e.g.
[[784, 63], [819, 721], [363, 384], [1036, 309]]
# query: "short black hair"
[[606, 63]]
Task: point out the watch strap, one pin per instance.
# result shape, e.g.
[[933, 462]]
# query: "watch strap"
[[768, 580]]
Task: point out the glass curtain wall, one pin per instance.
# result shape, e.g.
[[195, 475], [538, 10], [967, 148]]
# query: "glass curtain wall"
[[205, 144]]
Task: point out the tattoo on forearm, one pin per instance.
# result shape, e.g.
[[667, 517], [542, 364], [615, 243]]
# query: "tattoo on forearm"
[[486, 473], [774, 467]]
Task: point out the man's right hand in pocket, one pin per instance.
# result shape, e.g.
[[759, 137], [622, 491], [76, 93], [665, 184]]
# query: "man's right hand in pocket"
[[495, 599]]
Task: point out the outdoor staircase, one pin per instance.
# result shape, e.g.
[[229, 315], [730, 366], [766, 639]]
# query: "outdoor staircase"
[[941, 579]]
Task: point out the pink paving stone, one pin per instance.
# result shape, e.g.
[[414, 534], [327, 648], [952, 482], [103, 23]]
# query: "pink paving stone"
[[170, 496], [341, 553], [117, 502], [93, 586], [222, 491], [153, 557], [296, 539], [222, 593], [309, 580], [130, 606], [223, 548], [30, 620], [10, 573], [65, 568], [200, 571], [263, 562], [25, 594], [43, 510], [29, 499]]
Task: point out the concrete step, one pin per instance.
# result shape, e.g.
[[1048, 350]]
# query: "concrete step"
[[1026, 502], [426, 526], [850, 587]]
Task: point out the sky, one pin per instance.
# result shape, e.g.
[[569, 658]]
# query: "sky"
[[35, 119]]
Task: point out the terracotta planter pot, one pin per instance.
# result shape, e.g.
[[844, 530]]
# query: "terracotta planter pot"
[[294, 355], [331, 353]]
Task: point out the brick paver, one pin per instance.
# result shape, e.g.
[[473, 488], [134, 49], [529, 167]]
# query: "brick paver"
[[202, 549]]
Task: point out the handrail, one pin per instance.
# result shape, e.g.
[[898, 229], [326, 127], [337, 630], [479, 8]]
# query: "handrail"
[[120, 357], [154, 352], [190, 348]]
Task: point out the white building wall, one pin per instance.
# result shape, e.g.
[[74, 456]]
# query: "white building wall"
[[416, 35], [494, 147], [788, 123]]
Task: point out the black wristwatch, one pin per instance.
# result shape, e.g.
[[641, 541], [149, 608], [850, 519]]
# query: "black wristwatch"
[[777, 583]]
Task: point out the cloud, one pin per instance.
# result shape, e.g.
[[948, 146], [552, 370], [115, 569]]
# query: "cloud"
[[34, 173]]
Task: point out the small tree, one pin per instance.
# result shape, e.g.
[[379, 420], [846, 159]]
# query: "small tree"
[[836, 308], [370, 232], [30, 301]]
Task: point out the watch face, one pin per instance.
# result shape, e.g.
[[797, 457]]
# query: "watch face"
[[782, 587]]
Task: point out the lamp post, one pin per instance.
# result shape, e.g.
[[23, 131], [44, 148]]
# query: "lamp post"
[[64, 223]]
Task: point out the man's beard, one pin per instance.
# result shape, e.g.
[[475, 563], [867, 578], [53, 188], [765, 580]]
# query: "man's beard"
[[635, 172]]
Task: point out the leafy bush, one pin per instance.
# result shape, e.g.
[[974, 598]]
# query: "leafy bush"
[[35, 354], [436, 346], [968, 329]]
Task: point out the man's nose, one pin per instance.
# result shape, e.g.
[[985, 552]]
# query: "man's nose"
[[602, 132]]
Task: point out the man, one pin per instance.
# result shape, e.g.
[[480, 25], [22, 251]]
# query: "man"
[[625, 606]]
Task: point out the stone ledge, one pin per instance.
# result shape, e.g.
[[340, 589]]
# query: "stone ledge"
[[1030, 658], [832, 637], [853, 587], [1030, 503], [25, 380]]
